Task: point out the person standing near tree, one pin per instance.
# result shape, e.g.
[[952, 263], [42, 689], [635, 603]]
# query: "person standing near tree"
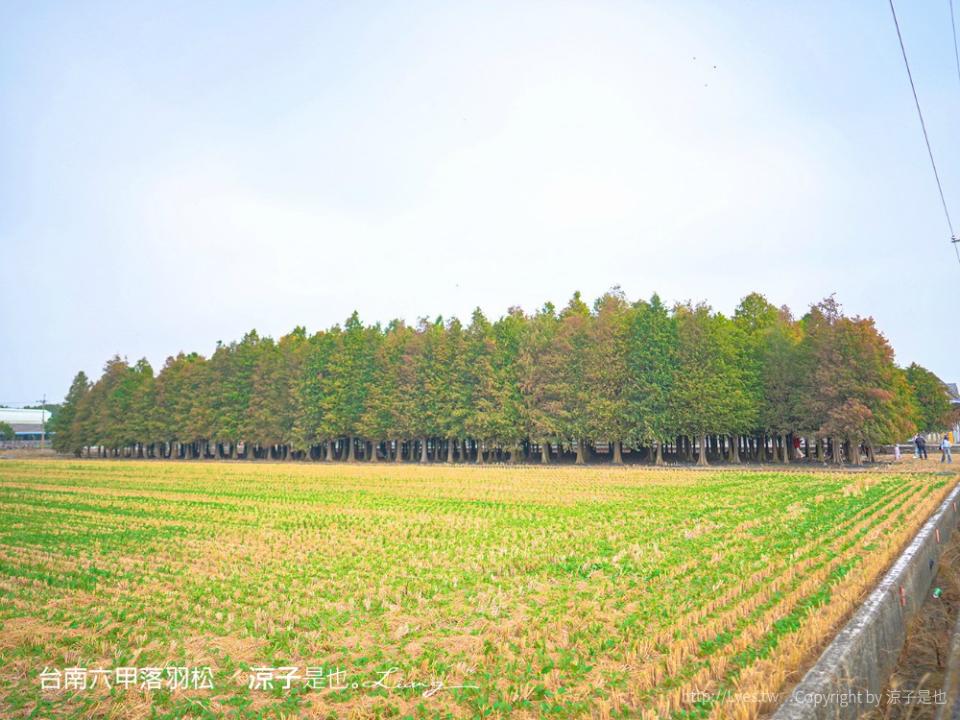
[[945, 454], [921, 447]]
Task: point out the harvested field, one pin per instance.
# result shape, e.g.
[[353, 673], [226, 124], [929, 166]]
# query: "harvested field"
[[563, 592]]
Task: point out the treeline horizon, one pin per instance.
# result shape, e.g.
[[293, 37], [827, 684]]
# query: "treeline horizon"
[[618, 378]]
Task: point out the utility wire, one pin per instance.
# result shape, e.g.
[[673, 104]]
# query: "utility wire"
[[956, 58], [923, 125], [956, 50]]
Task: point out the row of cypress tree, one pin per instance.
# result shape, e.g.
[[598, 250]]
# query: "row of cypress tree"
[[621, 380]]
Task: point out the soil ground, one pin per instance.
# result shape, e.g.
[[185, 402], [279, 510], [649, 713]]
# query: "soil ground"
[[913, 690]]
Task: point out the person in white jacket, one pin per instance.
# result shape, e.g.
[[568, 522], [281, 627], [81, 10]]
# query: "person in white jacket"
[[945, 455]]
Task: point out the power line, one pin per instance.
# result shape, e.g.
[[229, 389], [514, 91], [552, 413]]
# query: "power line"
[[956, 56], [923, 125], [956, 50]]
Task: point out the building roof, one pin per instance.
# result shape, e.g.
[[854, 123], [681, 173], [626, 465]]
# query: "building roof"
[[22, 416], [954, 392]]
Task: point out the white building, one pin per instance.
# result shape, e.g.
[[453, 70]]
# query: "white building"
[[26, 424], [955, 399]]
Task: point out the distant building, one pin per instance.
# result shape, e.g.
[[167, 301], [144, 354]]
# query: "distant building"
[[954, 392], [955, 399], [26, 424]]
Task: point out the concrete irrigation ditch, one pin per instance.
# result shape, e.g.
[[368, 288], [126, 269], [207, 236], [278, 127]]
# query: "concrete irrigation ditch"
[[850, 675], [951, 686]]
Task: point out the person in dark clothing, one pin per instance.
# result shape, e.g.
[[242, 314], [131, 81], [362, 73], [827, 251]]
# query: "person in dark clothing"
[[921, 447]]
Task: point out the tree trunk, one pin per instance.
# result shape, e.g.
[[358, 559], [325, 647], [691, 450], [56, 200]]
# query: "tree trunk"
[[787, 448], [544, 453], [657, 452], [479, 453], [618, 453], [581, 459], [423, 450], [855, 457], [450, 451], [373, 451], [702, 460], [735, 449]]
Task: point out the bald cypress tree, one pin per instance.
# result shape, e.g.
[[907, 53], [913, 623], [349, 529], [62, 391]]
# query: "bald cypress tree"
[[506, 398], [66, 438], [347, 380], [933, 410], [386, 412], [140, 420], [651, 366], [310, 423], [624, 374], [482, 421], [540, 369], [232, 369], [606, 373], [573, 343], [852, 390], [261, 423], [708, 392]]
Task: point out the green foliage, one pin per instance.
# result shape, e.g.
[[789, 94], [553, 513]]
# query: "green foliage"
[[64, 425], [709, 394], [6, 431], [933, 408], [634, 375], [652, 364]]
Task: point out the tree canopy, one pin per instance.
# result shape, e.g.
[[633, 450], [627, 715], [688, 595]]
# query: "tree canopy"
[[614, 378]]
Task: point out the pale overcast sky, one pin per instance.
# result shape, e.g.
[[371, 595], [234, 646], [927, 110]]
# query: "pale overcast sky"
[[174, 173]]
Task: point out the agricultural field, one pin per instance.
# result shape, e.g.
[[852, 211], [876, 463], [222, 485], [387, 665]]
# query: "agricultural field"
[[127, 588]]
